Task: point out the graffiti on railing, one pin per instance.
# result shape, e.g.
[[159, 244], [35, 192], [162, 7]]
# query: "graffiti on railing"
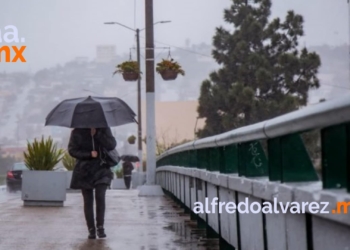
[[253, 149]]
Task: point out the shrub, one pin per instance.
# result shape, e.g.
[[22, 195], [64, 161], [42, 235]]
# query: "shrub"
[[119, 173], [42, 155], [68, 161]]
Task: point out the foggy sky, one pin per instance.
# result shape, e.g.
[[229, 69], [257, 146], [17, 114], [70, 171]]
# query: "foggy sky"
[[57, 31]]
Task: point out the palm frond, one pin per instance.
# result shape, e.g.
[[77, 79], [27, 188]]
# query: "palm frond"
[[68, 161], [42, 155]]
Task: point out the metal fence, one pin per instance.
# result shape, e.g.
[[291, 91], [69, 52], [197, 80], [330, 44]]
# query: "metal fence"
[[287, 160]]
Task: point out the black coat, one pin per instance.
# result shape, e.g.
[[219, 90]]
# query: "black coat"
[[88, 171], [127, 168]]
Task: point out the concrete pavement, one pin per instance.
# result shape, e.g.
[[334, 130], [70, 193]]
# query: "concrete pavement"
[[132, 223]]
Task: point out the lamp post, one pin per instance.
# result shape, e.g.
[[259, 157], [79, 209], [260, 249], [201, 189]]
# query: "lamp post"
[[150, 189], [349, 35], [137, 31], [150, 95]]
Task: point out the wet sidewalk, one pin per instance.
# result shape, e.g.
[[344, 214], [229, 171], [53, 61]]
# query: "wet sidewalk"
[[131, 223]]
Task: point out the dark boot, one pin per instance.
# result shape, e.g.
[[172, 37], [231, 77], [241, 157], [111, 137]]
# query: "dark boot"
[[100, 209], [89, 212], [101, 232], [92, 233]]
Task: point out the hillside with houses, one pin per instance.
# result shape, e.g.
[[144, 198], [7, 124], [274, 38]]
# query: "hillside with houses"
[[27, 98]]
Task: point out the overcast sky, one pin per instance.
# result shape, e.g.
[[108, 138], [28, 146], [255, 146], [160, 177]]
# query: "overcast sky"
[[57, 31]]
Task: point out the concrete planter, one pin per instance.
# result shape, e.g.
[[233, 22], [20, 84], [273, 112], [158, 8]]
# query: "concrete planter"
[[69, 178], [44, 188], [118, 184]]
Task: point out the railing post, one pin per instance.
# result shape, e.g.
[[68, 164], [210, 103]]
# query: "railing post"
[[231, 159], [335, 156], [201, 159], [177, 159], [192, 158], [206, 158], [296, 162], [252, 161], [222, 161], [183, 158], [214, 159], [275, 159]]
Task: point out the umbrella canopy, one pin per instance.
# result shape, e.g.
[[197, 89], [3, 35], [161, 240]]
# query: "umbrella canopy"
[[91, 112], [130, 158]]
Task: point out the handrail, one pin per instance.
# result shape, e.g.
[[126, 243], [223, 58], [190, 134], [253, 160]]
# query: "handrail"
[[322, 115]]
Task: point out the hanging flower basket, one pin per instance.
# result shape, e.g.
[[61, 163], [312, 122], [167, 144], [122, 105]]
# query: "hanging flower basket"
[[168, 75], [169, 69], [129, 69], [132, 139], [130, 76]]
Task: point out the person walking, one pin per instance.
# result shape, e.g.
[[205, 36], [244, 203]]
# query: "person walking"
[[129, 157], [90, 173], [127, 172]]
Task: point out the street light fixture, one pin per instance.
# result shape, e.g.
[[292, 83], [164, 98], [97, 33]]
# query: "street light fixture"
[[137, 31], [127, 27], [157, 23]]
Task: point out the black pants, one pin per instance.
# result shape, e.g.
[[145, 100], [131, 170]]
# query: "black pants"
[[127, 181], [100, 197]]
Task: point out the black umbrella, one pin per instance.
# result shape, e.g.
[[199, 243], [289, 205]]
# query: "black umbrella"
[[130, 158], [91, 112]]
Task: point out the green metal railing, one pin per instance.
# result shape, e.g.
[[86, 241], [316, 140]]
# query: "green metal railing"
[[240, 151]]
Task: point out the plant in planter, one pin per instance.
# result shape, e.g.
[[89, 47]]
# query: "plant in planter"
[[119, 173], [42, 155], [118, 183], [129, 69], [169, 69], [132, 139], [42, 186], [68, 161]]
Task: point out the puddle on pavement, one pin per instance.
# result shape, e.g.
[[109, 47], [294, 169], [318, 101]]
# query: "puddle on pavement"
[[190, 236], [6, 196], [187, 236]]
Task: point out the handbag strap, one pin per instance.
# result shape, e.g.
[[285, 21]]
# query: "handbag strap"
[[99, 149], [93, 143], [103, 160]]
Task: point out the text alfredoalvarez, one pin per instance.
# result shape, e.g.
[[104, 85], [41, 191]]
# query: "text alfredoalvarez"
[[11, 53]]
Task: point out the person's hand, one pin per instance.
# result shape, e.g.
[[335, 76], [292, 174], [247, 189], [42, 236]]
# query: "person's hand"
[[94, 154], [93, 131]]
